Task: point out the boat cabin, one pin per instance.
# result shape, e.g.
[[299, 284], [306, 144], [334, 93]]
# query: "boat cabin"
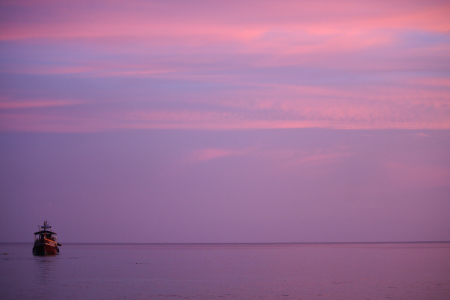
[[45, 233]]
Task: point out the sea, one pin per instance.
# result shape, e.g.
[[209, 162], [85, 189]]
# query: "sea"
[[228, 271]]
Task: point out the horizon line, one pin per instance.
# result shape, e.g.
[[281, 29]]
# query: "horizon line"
[[237, 243]]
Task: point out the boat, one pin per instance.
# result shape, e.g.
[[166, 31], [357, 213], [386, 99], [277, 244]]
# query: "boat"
[[45, 241]]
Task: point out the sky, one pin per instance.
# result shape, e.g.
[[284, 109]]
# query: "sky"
[[225, 121]]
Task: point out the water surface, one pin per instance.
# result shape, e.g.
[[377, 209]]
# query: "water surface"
[[228, 271]]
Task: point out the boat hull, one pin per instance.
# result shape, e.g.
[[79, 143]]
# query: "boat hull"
[[45, 249]]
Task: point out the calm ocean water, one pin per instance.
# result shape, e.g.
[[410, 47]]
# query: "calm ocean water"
[[228, 271]]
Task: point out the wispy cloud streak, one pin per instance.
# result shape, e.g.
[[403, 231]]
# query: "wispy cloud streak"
[[229, 65]]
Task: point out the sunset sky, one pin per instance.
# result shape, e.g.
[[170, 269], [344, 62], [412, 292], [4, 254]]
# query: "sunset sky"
[[225, 121]]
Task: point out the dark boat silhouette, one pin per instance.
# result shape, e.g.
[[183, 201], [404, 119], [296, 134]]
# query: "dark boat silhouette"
[[45, 241]]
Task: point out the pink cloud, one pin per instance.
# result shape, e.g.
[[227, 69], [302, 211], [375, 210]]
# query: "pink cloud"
[[212, 153], [43, 123], [345, 117], [293, 159], [47, 70], [321, 157], [35, 104], [230, 20], [233, 43], [284, 158], [412, 176], [432, 82]]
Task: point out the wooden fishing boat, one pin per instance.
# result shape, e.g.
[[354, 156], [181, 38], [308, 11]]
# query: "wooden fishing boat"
[[45, 241]]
